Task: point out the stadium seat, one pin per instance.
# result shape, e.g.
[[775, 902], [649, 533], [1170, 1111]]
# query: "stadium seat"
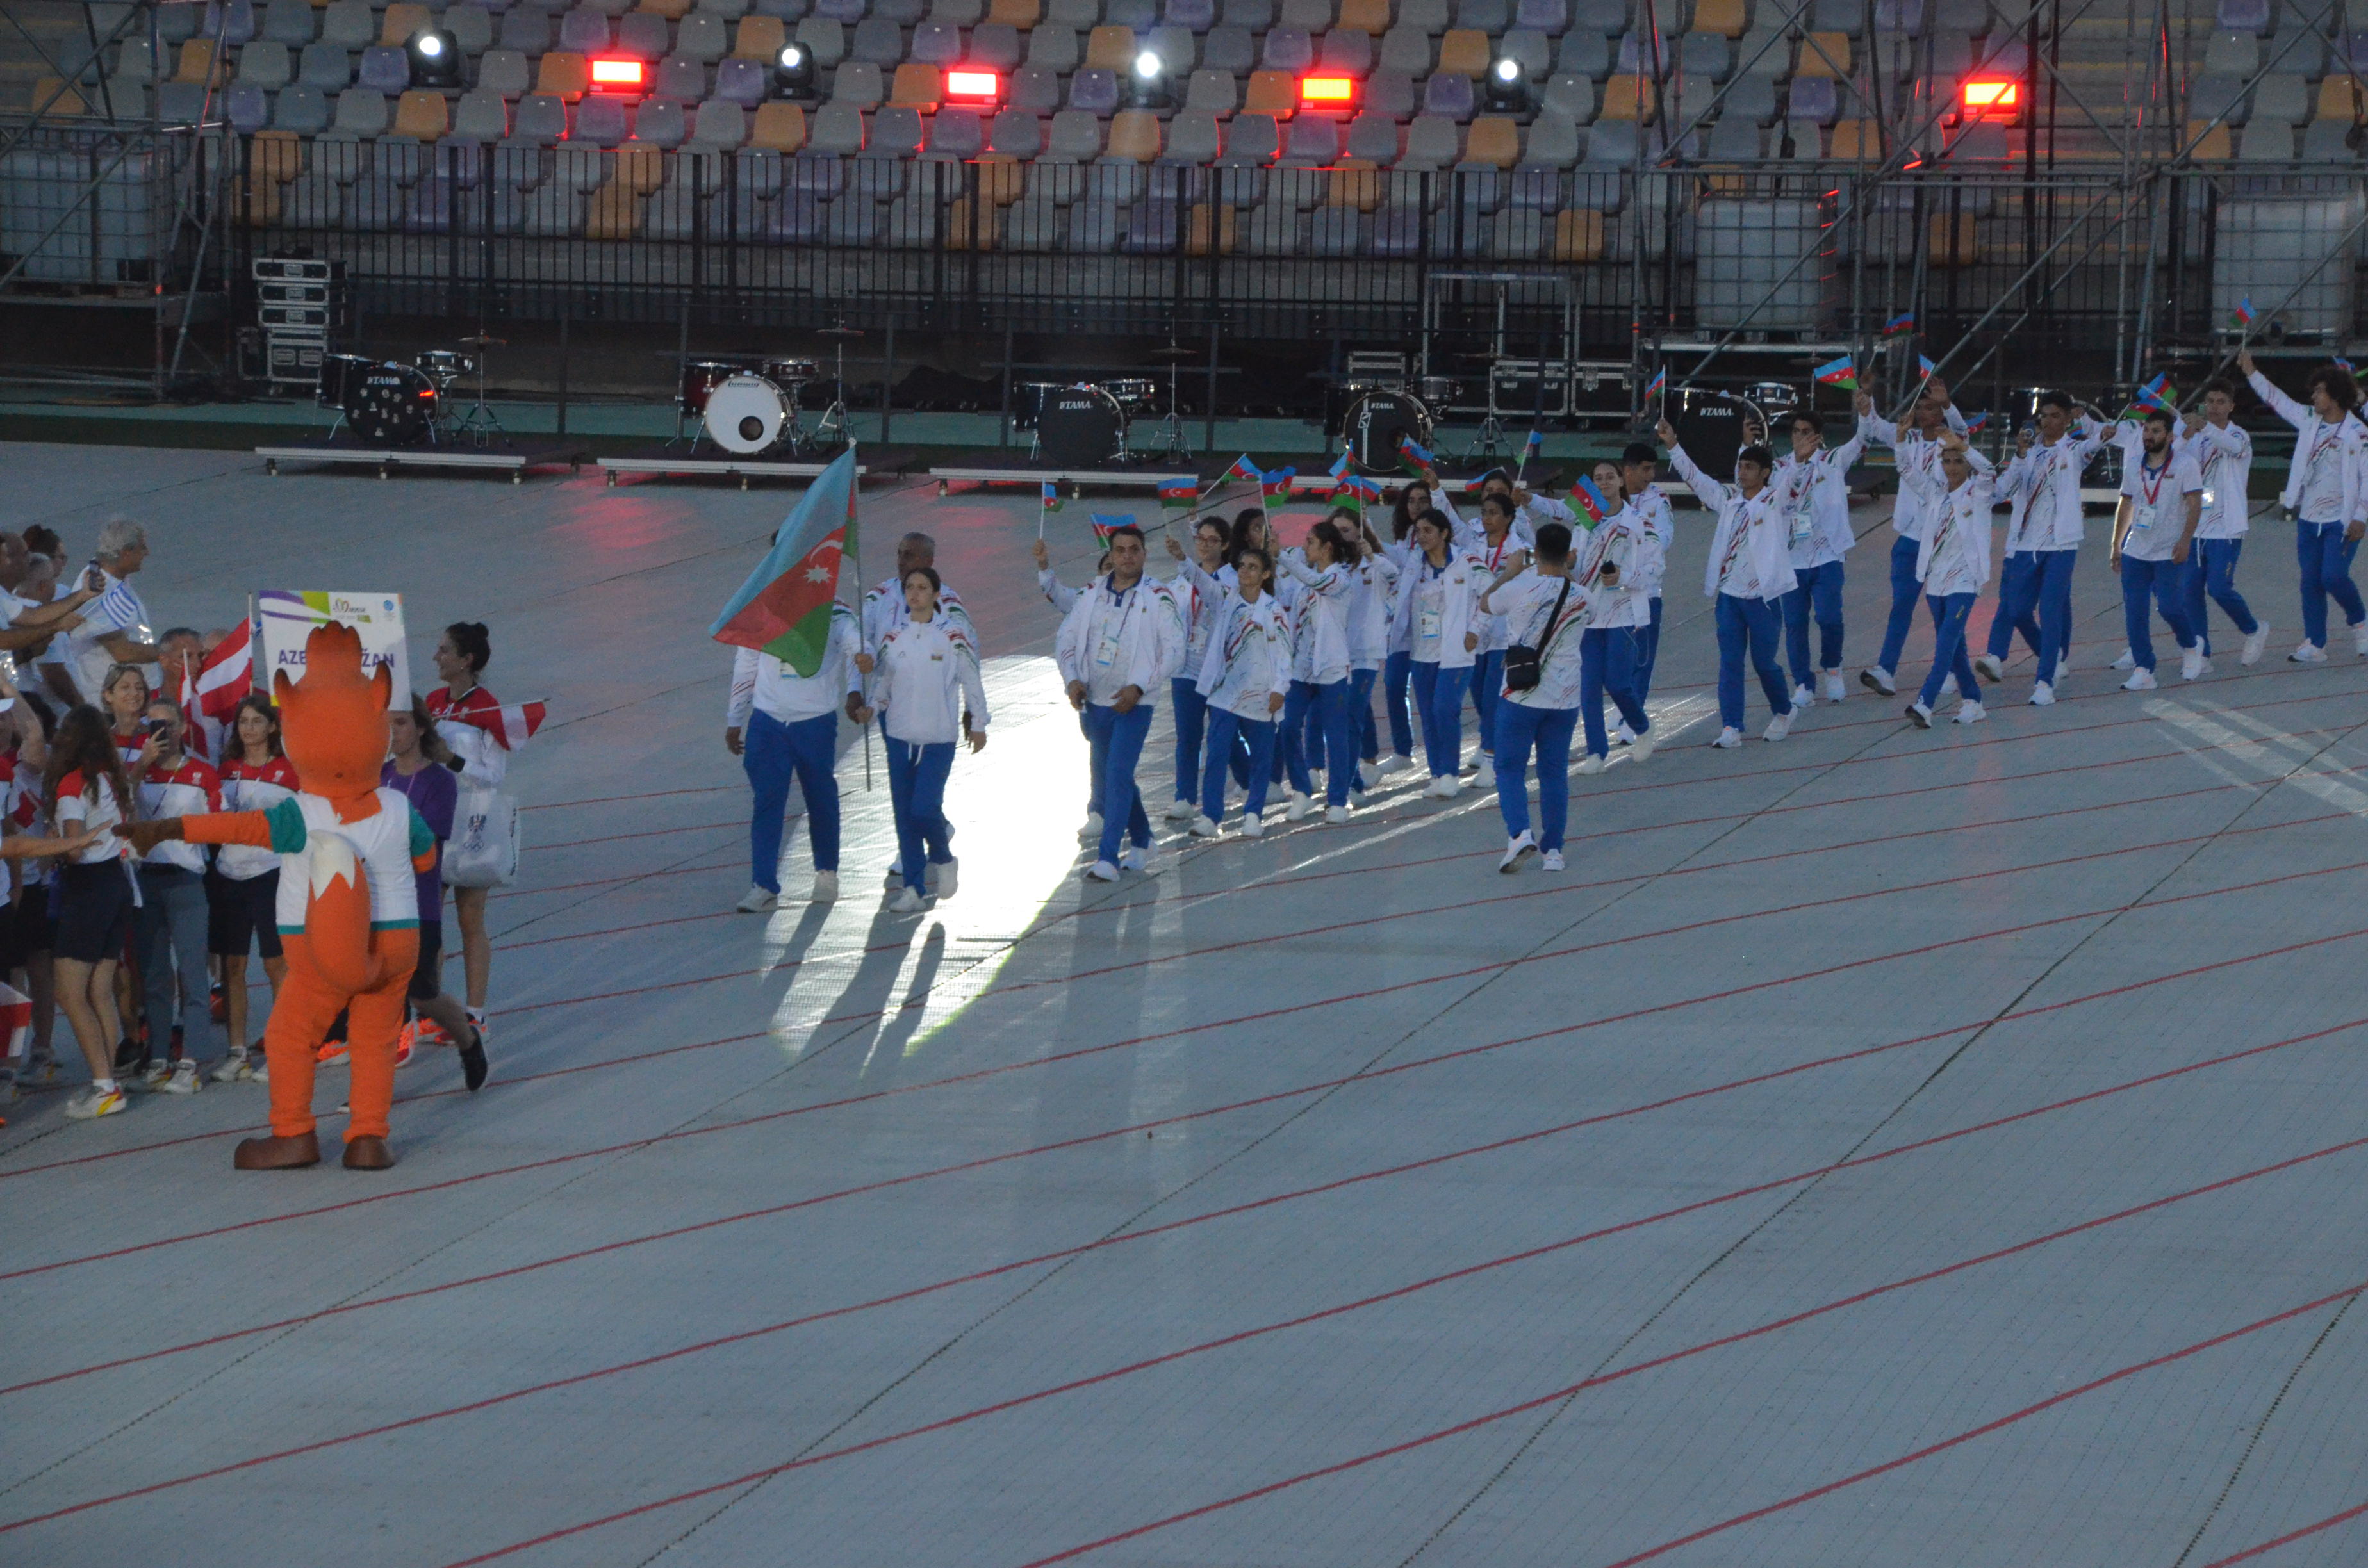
[[528, 32], [562, 76], [1584, 53], [1750, 98], [1826, 54], [644, 35], [301, 110], [2282, 98], [2219, 98], [877, 41], [246, 107], [782, 128], [1309, 16], [348, 23], [994, 44], [1370, 17], [360, 112], [1110, 49], [1287, 48], [1314, 144], [721, 123], [1429, 18], [1054, 49], [1212, 92], [681, 79], [857, 83], [2340, 99], [741, 82], [1627, 97], [402, 20], [2232, 54], [916, 86], [1034, 88], [1407, 50], [1463, 53], [264, 66], [1705, 54], [503, 71], [383, 70], [1375, 138], [1346, 52], [1572, 98], [542, 119], [1812, 98], [1763, 52], [1553, 141], [1094, 90], [822, 37], [288, 22], [2329, 141], [421, 114], [481, 116], [2253, 17], [1448, 96], [1532, 51], [2210, 144], [584, 30], [1857, 138], [1271, 93], [1390, 92], [1432, 144], [659, 123]]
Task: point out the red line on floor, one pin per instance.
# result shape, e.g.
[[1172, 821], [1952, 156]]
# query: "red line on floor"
[[2288, 1539], [1265, 1330], [619, 800]]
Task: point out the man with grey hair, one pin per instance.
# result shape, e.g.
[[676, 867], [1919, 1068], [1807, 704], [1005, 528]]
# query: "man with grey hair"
[[115, 624], [27, 623]]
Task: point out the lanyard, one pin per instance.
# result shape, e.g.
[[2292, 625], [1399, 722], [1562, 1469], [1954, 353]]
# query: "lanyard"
[[2150, 481]]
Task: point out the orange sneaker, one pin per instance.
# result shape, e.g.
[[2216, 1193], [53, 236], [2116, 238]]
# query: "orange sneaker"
[[430, 1032], [405, 1042], [332, 1053]]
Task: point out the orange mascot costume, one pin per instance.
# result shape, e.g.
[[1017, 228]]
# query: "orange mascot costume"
[[348, 908]]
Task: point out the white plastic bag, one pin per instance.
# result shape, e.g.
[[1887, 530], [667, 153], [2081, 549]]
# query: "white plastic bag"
[[484, 850]]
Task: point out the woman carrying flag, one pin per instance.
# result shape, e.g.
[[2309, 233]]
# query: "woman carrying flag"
[[1617, 562], [1439, 609], [1245, 678], [1398, 668], [1325, 571], [1195, 591]]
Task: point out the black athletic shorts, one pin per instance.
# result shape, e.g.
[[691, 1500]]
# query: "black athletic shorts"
[[94, 912], [427, 979], [239, 909], [35, 930]]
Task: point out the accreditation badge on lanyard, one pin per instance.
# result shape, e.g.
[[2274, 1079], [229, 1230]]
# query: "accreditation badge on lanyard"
[[1106, 654], [1805, 506], [2149, 485], [1428, 613]]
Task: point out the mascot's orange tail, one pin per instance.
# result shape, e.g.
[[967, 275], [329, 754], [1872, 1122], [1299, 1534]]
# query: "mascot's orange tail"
[[338, 914]]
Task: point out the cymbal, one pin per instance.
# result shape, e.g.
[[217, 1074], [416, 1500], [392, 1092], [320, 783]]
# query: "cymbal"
[[1171, 352], [839, 331], [481, 341]]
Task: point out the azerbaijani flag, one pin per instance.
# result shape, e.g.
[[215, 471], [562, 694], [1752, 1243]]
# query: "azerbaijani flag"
[[2158, 393], [1925, 368], [2244, 311], [1839, 373], [1339, 471], [1052, 496], [1105, 525], [1658, 384], [1243, 469], [1589, 501], [1904, 321], [1179, 494], [1277, 484], [784, 607], [1356, 492], [1974, 426], [1537, 439], [2344, 365], [1412, 453]]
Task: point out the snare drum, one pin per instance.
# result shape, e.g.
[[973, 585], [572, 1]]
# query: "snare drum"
[[699, 379], [746, 413], [444, 366], [793, 373], [1436, 391], [1134, 393]]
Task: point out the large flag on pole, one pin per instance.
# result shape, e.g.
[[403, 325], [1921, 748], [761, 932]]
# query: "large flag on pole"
[[784, 607]]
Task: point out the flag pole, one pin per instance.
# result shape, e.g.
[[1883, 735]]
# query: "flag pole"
[[855, 542]]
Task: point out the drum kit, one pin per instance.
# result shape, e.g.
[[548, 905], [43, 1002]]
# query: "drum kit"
[[752, 405], [1093, 424], [387, 404]]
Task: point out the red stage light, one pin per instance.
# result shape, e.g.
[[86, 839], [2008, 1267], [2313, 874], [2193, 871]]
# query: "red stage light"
[[1992, 96], [973, 86], [1327, 92], [620, 75]]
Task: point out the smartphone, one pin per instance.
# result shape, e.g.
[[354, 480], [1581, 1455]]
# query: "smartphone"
[[93, 575], [157, 726]]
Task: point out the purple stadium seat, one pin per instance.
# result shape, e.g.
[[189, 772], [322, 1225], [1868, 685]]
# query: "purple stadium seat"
[[1094, 91], [1196, 16], [584, 31], [1449, 96], [384, 70], [741, 82]]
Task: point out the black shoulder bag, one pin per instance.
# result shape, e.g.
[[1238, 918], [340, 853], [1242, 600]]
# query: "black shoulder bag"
[[1522, 662]]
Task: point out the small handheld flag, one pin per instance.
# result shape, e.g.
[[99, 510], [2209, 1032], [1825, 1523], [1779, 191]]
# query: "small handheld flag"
[[1179, 494], [1412, 454], [2243, 313], [785, 608], [1106, 525], [1243, 469], [2158, 393], [2344, 365], [1590, 502], [1974, 426], [1339, 471], [1537, 439], [1924, 367], [1277, 484], [1657, 385], [1052, 496], [1900, 324], [1839, 372]]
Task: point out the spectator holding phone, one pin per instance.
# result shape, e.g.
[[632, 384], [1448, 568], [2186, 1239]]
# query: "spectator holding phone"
[[115, 622]]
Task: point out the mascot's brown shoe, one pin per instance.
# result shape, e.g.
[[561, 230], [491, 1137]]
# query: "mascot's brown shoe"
[[278, 1154], [368, 1153]]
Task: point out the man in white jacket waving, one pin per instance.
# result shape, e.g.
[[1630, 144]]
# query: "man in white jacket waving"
[[1748, 573], [1118, 643]]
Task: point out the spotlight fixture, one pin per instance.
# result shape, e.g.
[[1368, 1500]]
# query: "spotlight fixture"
[[1148, 88], [793, 72], [1508, 87], [435, 59]]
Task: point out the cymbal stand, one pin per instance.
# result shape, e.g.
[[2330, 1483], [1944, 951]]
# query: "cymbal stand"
[[478, 421], [1491, 434], [1174, 447], [834, 417]]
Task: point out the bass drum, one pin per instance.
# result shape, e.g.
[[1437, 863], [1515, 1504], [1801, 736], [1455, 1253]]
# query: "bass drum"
[[1710, 426], [1028, 402], [1375, 421], [341, 375], [1080, 427], [746, 414], [391, 406]]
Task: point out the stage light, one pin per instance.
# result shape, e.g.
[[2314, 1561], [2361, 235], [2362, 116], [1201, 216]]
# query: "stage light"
[[620, 77], [1327, 92], [1507, 87], [794, 72], [435, 59], [1987, 96], [1148, 87], [976, 87]]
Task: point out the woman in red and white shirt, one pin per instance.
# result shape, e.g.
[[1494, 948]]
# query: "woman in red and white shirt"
[[243, 889], [462, 655], [90, 792]]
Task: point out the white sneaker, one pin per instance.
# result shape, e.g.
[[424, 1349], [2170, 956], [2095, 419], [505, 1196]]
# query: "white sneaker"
[[1835, 690], [1728, 739], [1970, 712], [894, 880], [1551, 860], [2360, 638], [757, 900], [1590, 763], [1515, 851], [1300, 808], [1335, 815], [1623, 735], [1487, 778], [2307, 654], [1990, 667], [1877, 678], [184, 1080], [1093, 828], [1203, 828], [1181, 811], [95, 1102], [2255, 643], [1134, 857], [2043, 695], [2192, 665], [2140, 680], [909, 902], [1778, 728], [1919, 715], [944, 878], [1803, 697], [1396, 762], [236, 1068], [826, 888], [1254, 827], [1102, 872], [153, 1076], [1641, 747], [2126, 662], [2063, 662]]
